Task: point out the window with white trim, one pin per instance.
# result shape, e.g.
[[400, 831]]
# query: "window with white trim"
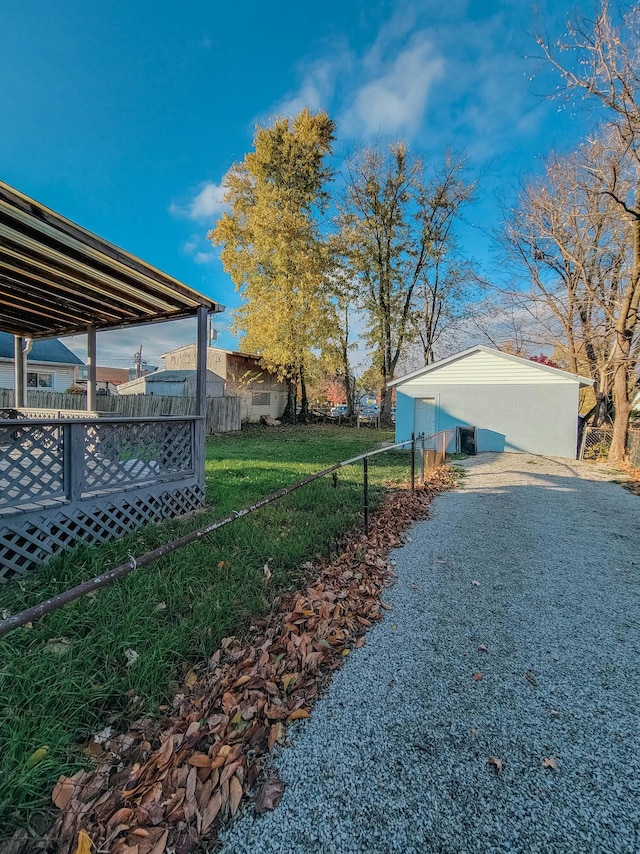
[[40, 379]]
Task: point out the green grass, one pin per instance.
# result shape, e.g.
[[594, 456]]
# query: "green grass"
[[67, 677]]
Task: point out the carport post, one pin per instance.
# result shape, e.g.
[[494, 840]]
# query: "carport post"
[[92, 345], [18, 349], [201, 392]]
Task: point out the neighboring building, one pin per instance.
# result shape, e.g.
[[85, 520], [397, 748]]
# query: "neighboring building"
[[107, 379], [515, 404], [260, 391], [172, 384], [50, 365]]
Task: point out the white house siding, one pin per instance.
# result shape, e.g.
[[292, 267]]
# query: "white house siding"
[[516, 405], [536, 418], [63, 375], [252, 412], [487, 368]]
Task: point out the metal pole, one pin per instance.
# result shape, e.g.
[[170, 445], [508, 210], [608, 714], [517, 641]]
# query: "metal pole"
[[413, 462], [365, 487], [423, 461]]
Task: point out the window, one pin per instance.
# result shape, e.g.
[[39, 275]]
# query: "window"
[[40, 379], [261, 398]]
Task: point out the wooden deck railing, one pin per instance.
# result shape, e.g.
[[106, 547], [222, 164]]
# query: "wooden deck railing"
[[47, 460]]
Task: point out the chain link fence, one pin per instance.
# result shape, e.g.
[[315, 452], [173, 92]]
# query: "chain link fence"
[[596, 442]]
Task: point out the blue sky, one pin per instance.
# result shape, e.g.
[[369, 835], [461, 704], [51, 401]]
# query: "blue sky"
[[124, 116]]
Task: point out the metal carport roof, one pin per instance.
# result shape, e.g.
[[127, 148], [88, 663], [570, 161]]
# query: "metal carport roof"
[[58, 279]]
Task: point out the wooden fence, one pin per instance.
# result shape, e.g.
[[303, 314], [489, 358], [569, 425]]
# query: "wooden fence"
[[223, 413]]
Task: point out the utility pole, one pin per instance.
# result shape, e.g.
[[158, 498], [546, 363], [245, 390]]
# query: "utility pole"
[[137, 361]]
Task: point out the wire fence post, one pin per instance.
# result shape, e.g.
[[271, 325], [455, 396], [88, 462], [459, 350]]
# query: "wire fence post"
[[365, 489], [413, 462]]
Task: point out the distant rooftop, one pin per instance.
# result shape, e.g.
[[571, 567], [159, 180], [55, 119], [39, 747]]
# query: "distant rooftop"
[[47, 350]]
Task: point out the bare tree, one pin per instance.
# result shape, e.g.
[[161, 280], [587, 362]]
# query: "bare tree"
[[601, 61], [395, 237]]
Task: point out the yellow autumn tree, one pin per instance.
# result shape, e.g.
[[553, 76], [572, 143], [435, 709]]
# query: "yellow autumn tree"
[[273, 249]]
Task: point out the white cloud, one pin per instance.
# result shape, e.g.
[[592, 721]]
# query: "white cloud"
[[205, 257], [318, 84], [208, 202], [394, 101]]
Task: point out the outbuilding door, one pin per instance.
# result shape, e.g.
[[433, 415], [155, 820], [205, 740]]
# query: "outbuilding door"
[[424, 419]]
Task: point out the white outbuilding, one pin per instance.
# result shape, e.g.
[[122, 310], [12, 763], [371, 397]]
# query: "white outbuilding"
[[514, 404]]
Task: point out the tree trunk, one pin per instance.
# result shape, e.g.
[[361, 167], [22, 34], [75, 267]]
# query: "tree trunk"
[[304, 401], [618, 449], [622, 368], [289, 414], [386, 396]]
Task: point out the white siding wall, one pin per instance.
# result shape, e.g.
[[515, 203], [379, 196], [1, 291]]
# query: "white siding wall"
[[63, 377], [483, 368], [250, 412]]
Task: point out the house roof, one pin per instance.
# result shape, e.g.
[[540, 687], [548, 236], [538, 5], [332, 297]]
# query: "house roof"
[[57, 278], [480, 348], [170, 376], [49, 350]]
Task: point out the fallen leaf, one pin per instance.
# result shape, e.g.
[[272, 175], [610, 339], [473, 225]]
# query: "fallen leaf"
[[63, 792], [287, 679], [161, 844], [483, 648], [200, 760], [276, 734], [554, 713], [346, 651], [298, 715], [475, 583], [211, 811], [474, 730], [84, 843], [267, 572], [37, 756], [220, 564], [191, 679], [270, 794], [58, 646], [478, 677], [550, 762], [161, 606], [132, 656], [235, 794], [497, 763]]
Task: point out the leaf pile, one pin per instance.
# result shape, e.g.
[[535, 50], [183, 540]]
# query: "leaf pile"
[[170, 784]]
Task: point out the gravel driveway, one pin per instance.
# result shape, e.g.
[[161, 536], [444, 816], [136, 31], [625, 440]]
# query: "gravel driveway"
[[537, 560]]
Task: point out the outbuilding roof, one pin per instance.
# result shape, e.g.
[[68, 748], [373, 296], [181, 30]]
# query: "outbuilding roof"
[[480, 348], [57, 278], [50, 350]]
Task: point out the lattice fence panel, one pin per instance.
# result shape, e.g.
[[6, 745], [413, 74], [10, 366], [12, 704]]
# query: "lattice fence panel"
[[31, 463], [27, 541], [119, 454]]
